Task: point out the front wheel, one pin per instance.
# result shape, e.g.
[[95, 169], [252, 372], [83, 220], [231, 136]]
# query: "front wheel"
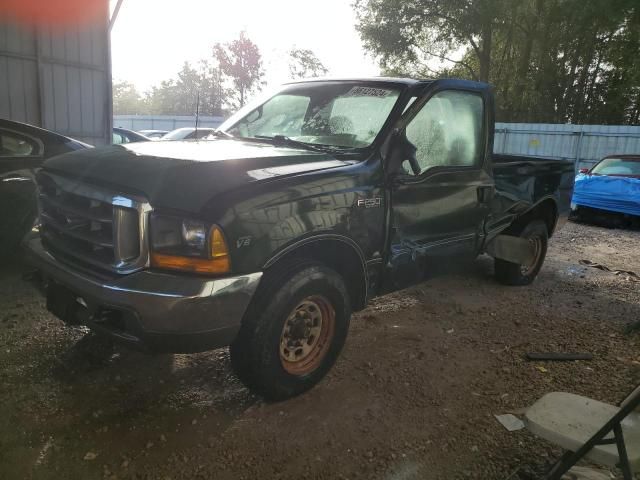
[[293, 331], [510, 273]]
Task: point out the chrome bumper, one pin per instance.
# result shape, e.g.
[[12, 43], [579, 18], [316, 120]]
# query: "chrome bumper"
[[151, 310]]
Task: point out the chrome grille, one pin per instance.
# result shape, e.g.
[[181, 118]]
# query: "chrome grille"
[[91, 225]]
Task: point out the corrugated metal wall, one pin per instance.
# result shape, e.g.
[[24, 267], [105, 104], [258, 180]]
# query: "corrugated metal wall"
[[163, 122], [58, 79], [586, 144]]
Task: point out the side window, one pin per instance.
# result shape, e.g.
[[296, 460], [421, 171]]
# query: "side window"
[[448, 130], [119, 138], [15, 145]]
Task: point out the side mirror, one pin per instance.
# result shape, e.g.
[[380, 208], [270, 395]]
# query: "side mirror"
[[583, 170], [402, 150], [254, 115]]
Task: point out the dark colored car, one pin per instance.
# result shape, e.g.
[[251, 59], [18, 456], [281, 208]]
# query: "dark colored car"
[[122, 135], [302, 208], [23, 148], [609, 192]]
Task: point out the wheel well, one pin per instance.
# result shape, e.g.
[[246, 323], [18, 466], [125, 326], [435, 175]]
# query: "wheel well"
[[339, 256], [547, 210]]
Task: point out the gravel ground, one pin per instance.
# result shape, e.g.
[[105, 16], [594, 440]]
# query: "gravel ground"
[[412, 396]]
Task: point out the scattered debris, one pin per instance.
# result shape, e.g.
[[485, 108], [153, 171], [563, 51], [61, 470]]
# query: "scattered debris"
[[629, 274], [558, 357], [510, 422], [90, 456], [45, 449]]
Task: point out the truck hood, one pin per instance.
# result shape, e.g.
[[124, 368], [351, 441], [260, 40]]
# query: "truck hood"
[[186, 175]]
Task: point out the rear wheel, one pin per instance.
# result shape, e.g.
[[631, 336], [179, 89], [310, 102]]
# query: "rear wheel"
[[293, 331], [510, 273]]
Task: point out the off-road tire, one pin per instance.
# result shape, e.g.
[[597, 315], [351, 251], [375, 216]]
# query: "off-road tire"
[[256, 352], [509, 273]]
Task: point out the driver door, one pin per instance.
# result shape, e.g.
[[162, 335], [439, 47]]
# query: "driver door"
[[440, 203]]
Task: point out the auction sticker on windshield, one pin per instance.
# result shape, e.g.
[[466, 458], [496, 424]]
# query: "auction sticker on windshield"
[[367, 92]]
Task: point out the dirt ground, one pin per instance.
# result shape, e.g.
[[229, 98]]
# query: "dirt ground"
[[412, 396]]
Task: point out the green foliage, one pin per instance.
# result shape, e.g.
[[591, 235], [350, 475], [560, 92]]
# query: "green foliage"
[[303, 63], [180, 96], [126, 99], [559, 61]]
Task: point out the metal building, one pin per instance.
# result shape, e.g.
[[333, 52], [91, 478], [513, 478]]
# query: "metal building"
[[585, 144], [58, 79]]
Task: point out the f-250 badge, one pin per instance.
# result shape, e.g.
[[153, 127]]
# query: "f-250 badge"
[[370, 202]]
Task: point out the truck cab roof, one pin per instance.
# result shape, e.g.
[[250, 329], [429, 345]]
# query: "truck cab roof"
[[396, 80]]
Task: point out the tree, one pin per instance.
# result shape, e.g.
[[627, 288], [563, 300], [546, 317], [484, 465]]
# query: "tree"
[[180, 96], [303, 63], [126, 99], [402, 33], [241, 61], [566, 61]]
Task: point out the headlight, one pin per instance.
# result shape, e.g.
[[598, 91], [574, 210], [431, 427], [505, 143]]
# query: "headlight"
[[188, 245]]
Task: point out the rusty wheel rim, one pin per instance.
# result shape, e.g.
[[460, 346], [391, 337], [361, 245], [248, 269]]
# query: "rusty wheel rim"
[[306, 335], [527, 270]]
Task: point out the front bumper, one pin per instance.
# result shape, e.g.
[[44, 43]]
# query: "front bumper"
[[153, 311]]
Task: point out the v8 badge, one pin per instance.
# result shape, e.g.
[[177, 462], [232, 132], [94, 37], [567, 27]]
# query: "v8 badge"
[[243, 242]]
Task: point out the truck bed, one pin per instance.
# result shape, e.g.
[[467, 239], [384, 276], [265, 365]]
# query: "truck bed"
[[523, 181]]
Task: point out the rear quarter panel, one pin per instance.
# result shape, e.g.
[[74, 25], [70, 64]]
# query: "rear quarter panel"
[[524, 182]]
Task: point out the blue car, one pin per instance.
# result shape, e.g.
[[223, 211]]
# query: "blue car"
[[611, 186]]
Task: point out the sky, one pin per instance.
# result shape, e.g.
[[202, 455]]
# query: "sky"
[[152, 38]]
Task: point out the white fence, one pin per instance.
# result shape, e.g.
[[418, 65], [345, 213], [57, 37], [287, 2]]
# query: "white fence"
[[585, 144], [163, 122]]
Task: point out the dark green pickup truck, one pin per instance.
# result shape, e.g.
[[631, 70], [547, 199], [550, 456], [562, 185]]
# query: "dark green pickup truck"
[[267, 235]]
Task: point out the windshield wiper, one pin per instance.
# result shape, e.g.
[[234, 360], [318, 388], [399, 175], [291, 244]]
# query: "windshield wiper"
[[290, 142]]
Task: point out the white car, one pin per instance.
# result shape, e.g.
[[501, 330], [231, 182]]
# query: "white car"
[[154, 134], [188, 133]]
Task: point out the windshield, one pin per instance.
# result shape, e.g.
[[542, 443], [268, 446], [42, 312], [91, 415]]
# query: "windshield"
[[618, 166], [346, 115]]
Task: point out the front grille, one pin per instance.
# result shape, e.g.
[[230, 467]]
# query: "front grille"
[[92, 226]]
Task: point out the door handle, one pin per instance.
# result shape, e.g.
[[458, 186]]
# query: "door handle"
[[485, 193]]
